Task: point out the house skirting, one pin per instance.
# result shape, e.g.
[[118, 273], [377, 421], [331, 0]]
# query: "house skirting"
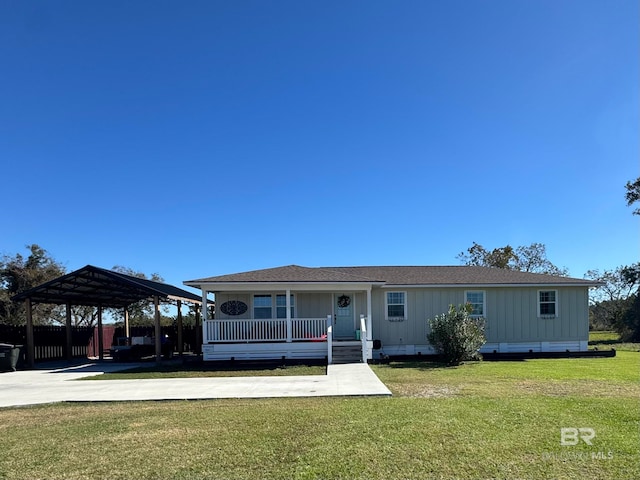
[[264, 351], [505, 347]]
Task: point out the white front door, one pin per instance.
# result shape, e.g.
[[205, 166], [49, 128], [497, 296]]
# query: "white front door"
[[343, 316]]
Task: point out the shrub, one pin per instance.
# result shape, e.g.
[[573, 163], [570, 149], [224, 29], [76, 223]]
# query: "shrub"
[[456, 335]]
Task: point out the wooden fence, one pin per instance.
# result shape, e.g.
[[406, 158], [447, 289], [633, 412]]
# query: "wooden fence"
[[50, 341]]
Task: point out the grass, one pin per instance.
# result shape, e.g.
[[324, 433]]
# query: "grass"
[[198, 370], [605, 340], [479, 420]]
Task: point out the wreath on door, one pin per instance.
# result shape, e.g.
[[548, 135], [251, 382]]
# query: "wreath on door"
[[344, 301]]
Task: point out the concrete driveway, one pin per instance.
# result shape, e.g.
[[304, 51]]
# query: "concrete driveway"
[[31, 387]]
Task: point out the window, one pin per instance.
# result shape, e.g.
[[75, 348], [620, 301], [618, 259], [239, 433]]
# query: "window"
[[476, 300], [547, 303], [396, 306], [281, 306], [262, 306]]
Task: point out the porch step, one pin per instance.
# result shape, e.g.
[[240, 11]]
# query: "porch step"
[[346, 354]]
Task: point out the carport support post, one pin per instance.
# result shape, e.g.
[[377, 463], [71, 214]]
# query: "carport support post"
[[180, 339], [100, 346], [197, 348], [69, 343], [31, 349], [156, 316], [127, 330]]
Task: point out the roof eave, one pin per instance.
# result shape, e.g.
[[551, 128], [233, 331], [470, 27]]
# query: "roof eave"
[[489, 285]]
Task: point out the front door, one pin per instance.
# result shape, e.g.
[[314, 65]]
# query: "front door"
[[343, 319]]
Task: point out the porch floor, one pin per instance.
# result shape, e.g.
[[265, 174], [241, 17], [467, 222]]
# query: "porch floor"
[[31, 387]]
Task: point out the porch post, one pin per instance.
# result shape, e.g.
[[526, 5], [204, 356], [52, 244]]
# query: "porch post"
[[69, 340], [100, 346], [31, 349], [156, 317], [180, 341], [329, 339], [205, 314], [369, 332], [288, 305]]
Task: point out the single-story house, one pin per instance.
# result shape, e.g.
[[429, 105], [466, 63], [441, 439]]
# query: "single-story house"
[[363, 312]]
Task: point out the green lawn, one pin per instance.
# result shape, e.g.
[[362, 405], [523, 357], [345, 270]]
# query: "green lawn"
[[480, 420], [606, 340]]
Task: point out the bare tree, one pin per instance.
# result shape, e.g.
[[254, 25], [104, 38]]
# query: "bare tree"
[[532, 258]]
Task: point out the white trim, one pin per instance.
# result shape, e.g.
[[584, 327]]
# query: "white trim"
[[386, 306], [556, 314], [484, 302], [491, 285]]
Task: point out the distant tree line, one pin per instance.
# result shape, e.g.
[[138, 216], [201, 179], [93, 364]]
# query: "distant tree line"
[[19, 273]]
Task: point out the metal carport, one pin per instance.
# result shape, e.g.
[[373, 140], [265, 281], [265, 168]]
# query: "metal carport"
[[101, 288]]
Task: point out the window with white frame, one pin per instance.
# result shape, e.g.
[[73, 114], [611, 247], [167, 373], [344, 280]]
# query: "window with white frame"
[[396, 306], [476, 298], [281, 306], [262, 306], [547, 303]]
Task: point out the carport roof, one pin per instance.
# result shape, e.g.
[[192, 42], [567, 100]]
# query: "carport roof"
[[94, 286]]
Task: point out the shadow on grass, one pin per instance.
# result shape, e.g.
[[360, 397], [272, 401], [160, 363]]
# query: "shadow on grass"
[[426, 365], [230, 366], [605, 342]]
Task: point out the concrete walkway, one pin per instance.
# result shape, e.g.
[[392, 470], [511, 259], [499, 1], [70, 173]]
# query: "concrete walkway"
[[31, 387]]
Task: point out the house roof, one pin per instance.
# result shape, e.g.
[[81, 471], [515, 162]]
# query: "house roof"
[[95, 286], [394, 275]]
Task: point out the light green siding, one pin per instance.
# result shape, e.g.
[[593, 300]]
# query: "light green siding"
[[313, 305], [511, 314]]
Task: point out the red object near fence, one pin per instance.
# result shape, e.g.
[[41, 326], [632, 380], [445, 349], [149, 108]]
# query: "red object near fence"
[[108, 331]]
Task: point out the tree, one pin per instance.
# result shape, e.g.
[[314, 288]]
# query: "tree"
[[615, 300], [17, 275], [532, 258], [633, 194], [140, 313], [456, 335]]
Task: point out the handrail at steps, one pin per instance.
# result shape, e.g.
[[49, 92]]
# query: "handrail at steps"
[[329, 341], [363, 338]]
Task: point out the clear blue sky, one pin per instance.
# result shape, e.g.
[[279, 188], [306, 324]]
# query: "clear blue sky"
[[196, 138]]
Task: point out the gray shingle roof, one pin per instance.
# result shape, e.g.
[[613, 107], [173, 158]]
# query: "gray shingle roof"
[[395, 275]]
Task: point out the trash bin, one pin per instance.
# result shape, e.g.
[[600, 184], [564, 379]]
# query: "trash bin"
[[9, 356]]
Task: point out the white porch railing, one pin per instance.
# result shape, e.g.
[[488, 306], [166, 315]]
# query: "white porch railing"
[[265, 330], [363, 338]]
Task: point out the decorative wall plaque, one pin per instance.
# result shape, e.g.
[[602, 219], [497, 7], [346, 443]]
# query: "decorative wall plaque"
[[233, 308]]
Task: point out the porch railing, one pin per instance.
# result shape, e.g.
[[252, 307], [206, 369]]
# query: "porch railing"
[[266, 330], [363, 338]]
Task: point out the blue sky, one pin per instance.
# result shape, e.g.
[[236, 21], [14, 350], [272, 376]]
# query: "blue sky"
[[206, 137]]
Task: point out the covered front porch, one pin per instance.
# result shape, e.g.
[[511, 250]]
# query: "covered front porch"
[[287, 312], [289, 323]]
